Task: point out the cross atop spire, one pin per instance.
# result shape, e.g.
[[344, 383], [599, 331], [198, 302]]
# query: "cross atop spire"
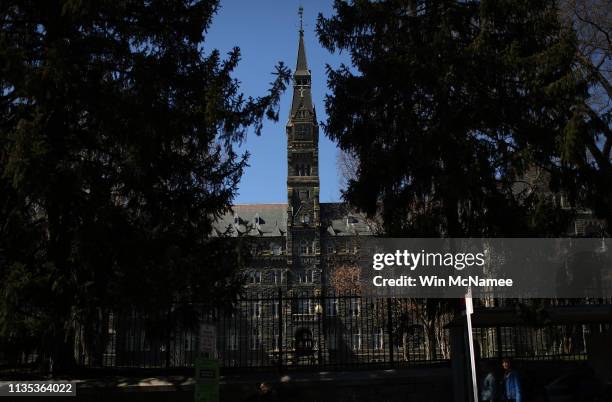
[[301, 14], [302, 66]]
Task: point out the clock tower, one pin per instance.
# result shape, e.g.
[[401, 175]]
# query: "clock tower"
[[303, 218]]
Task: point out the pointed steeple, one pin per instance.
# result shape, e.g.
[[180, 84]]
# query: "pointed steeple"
[[301, 67], [302, 97]]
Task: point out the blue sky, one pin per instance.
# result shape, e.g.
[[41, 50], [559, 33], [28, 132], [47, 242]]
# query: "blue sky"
[[267, 32]]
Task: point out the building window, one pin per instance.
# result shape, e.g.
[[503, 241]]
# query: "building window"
[[254, 277], [303, 170], [331, 307], [232, 341], [276, 338], [255, 338], [354, 307], [275, 309], [279, 276], [306, 219], [304, 247], [189, 343], [377, 339], [256, 309], [304, 194], [330, 248], [332, 341], [310, 276], [356, 341], [306, 276], [303, 132], [277, 249], [304, 306]]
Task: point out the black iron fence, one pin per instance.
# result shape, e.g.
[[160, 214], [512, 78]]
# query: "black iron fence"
[[284, 331], [287, 330], [547, 342]]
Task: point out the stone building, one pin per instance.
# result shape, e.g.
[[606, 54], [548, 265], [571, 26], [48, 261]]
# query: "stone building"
[[297, 244], [291, 314]]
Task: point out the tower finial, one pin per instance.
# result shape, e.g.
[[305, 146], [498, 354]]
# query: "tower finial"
[[301, 14]]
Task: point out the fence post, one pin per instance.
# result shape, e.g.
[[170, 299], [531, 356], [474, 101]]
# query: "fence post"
[[390, 330], [280, 330]]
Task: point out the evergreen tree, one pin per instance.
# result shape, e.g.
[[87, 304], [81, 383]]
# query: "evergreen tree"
[[446, 107], [587, 141], [116, 156]]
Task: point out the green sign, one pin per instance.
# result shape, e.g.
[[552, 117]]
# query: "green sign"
[[206, 380]]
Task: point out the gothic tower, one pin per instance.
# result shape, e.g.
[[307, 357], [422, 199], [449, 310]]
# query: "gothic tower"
[[303, 219]]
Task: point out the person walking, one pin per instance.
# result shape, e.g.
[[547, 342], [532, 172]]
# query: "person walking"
[[512, 385], [488, 390]]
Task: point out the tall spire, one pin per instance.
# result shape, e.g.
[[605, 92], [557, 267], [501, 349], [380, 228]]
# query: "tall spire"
[[301, 67], [302, 97]]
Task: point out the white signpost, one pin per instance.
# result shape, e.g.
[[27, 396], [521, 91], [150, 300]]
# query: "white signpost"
[[469, 309]]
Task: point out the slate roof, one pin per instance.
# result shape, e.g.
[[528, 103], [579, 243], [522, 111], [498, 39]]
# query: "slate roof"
[[270, 220], [263, 220]]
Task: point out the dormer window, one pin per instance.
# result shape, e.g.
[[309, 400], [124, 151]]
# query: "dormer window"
[[276, 249]]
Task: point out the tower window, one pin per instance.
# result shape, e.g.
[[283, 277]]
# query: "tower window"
[[302, 170], [305, 248], [303, 132]]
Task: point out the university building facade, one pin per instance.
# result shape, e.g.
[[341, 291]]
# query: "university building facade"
[[290, 313]]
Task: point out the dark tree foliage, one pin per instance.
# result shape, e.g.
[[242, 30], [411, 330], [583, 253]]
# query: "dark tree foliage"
[[587, 141], [447, 105], [116, 133]]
